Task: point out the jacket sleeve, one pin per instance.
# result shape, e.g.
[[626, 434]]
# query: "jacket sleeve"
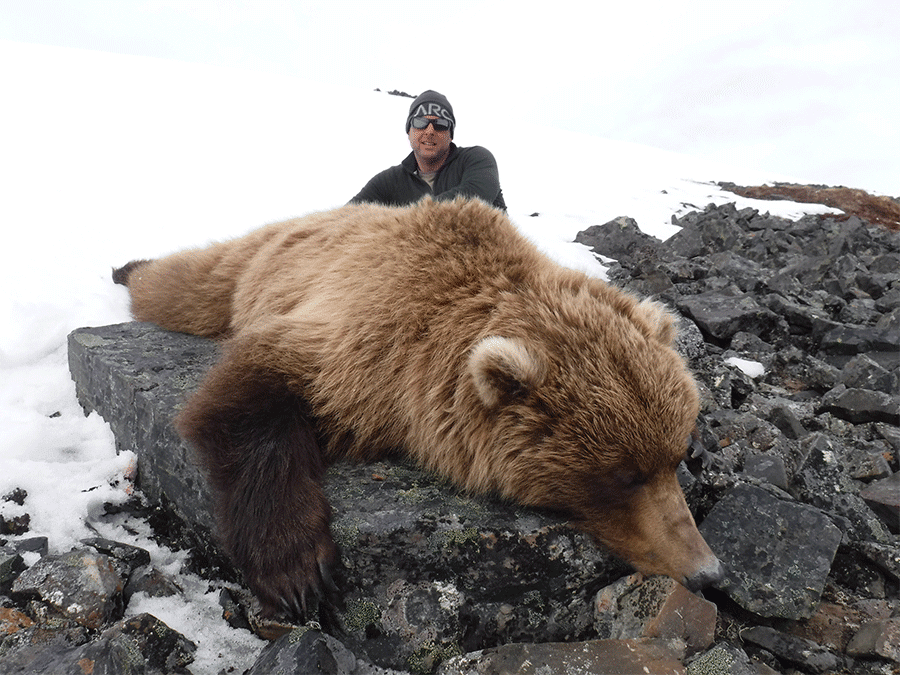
[[372, 191], [480, 177]]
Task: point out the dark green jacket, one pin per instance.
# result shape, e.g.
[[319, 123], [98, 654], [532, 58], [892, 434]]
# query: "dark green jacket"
[[468, 171]]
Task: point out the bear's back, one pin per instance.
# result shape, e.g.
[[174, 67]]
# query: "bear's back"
[[367, 260]]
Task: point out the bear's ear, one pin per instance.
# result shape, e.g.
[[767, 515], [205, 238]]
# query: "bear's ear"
[[503, 369], [659, 320]]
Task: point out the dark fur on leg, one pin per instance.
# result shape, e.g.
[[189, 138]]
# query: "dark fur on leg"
[[264, 465], [120, 274]]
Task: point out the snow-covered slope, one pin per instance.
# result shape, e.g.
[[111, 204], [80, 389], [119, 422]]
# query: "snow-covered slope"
[[107, 158]]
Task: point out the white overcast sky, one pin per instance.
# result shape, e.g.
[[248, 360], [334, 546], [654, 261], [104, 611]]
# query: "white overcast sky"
[[809, 88]]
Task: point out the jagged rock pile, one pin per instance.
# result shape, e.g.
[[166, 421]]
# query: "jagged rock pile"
[[792, 329], [800, 367], [68, 612]]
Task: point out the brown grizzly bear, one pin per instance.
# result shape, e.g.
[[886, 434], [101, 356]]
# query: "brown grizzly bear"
[[439, 330]]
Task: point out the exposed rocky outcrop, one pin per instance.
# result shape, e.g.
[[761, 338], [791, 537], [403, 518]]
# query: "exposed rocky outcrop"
[[793, 330], [878, 210]]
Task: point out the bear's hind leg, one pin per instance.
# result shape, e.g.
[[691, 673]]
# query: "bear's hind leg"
[[263, 463]]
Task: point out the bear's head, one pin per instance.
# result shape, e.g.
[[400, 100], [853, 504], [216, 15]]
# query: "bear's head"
[[590, 411]]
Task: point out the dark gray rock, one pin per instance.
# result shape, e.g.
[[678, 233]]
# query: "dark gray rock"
[[649, 657], [151, 582], [722, 315], [137, 377], [687, 243], [392, 521], [421, 626], [890, 434], [801, 318], [140, 644], [776, 553], [860, 311], [689, 340], [888, 326], [141, 640], [124, 557], [860, 406], [523, 574], [871, 463], [716, 229], [822, 479], [883, 497], [11, 565], [617, 238], [769, 468], [890, 301], [307, 650], [802, 370], [748, 275], [233, 611], [39, 545], [851, 339], [863, 372], [804, 654], [81, 585], [784, 418]]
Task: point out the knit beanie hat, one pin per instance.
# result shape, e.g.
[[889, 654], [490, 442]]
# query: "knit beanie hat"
[[431, 103]]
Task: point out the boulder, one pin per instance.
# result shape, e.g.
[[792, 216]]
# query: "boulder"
[[656, 607], [804, 654], [776, 553], [520, 574], [81, 585], [877, 639], [721, 315], [648, 657]]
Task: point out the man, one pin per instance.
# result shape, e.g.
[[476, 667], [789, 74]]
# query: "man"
[[436, 165]]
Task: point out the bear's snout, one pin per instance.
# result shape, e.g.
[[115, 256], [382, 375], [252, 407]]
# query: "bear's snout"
[[653, 529], [708, 575]]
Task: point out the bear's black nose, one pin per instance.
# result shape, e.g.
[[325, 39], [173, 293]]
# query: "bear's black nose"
[[708, 575]]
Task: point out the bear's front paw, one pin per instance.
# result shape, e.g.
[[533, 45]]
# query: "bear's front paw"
[[300, 586]]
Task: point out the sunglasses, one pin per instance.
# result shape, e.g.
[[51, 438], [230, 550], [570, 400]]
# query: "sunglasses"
[[439, 124]]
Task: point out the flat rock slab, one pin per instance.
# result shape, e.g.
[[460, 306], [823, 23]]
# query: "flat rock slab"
[[776, 553], [860, 406], [598, 657], [806, 655], [526, 573], [721, 315], [136, 377]]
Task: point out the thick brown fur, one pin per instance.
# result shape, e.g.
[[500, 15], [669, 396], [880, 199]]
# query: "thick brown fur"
[[438, 330]]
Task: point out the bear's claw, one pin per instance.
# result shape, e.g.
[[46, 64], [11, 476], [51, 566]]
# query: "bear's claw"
[[304, 595], [697, 457]]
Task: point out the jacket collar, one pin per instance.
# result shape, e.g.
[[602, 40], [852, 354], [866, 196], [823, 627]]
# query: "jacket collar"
[[411, 166]]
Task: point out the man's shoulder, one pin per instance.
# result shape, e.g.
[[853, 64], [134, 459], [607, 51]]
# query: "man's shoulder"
[[403, 167], [474, 152]]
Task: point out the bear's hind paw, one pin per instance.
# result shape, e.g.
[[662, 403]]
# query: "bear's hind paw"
[[307, 593]]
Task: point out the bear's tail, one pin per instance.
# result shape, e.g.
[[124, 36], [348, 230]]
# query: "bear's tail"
[[120, 274]]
